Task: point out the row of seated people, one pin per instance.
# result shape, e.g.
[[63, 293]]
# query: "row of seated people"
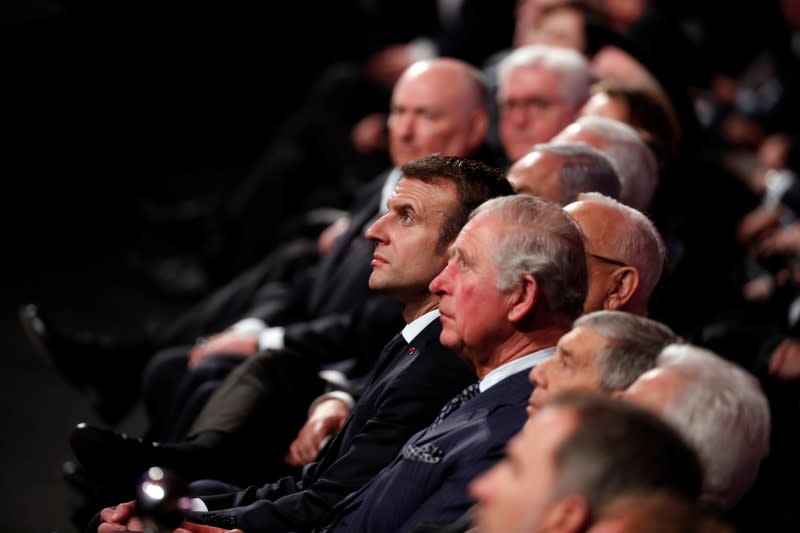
[[505, 303], [516, 105]]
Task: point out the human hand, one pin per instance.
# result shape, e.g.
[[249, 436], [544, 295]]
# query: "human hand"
[[740, 130], [386, 65], [120, 518], [774, 151], [225, 342], [757, 222], [370, 133], [327, 418], [329, 235], [784, 241], [785, 360]]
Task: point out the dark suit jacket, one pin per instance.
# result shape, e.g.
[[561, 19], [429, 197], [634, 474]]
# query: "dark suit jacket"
[[408, 389], [432, 486]]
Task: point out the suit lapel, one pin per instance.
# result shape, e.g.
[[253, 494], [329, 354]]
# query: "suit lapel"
[[392, 363]]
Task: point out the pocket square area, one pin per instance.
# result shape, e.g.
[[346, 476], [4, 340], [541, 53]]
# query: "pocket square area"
[[427, 453]]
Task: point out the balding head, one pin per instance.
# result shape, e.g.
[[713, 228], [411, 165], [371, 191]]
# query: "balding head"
[[438, 106], [632, 158], [560, 171], [625, 253]]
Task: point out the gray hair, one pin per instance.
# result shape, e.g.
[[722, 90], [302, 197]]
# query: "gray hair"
[[618, 448], [723, 412], [641, 246], [583, 169], [543, 240], [572, 67], [633, 160], [634, 345]]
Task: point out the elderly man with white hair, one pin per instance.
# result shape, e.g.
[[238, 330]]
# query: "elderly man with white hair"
[[719, 408]]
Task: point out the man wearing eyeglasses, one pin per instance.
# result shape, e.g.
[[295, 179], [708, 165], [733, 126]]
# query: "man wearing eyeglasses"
[[540, 90], [624, 252]]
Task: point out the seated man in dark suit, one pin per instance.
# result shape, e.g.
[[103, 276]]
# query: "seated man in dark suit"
[[413, 376], [624, 256], [438, 106], [515, 281]]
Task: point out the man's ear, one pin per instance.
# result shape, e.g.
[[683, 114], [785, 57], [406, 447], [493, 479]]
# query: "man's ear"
[[625, 281], [479, 125], [568, 515], [523, 298]]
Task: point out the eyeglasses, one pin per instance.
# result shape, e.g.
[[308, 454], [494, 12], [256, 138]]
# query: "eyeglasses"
[[532, 104], [608, 260]]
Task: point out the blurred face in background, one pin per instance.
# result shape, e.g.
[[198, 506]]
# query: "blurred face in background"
[[532, 108], [436, 107]]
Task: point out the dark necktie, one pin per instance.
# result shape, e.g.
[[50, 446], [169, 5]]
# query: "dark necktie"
[[387, 357], [464, 396]]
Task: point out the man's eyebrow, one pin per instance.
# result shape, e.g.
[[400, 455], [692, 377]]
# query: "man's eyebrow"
[[400, 205], [565, 353]]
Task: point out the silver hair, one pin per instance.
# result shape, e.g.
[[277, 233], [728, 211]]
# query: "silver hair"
[[641, 246], [634, 345], [633, 160], [723, 412], [583, 169], [540, 239], [572, 67]]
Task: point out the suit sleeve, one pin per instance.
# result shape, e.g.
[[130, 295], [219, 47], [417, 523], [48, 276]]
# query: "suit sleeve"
[[358, 334], [404, 407]]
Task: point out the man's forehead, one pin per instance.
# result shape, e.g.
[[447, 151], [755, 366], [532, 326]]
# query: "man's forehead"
[[583, 341]]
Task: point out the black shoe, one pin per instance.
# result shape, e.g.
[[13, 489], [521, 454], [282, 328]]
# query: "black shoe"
[[105, 454], [89, 362]]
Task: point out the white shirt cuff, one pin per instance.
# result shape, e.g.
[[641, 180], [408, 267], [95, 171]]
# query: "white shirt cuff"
[[249, 326], [778, 182], [199, 505], [271, 339], [422, 48], [339, 395]]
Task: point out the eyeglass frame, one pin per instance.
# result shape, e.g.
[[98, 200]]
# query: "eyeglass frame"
[[608, 260]]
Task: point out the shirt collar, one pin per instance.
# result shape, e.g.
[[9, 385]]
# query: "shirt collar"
[[512, 367], [416, 326]]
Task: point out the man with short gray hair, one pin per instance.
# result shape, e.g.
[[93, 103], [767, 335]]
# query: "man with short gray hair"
[[604, 352], [540, 90], [560, 171], [632, 158]]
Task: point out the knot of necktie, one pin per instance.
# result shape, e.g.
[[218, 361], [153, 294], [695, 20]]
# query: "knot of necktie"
[[464, 396]]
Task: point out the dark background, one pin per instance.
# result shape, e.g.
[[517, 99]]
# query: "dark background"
[[108, 110]]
